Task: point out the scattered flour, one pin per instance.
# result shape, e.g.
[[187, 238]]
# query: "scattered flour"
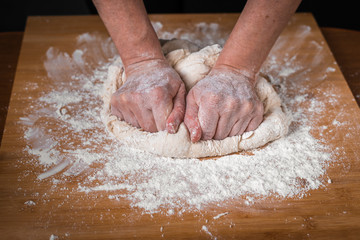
[[206, 230], [30, 203], [66, 137], [53, 237], [220, 215]]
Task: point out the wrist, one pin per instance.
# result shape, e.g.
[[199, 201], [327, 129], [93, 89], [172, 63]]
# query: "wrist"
[[247, 73], [240, 60], [141, 56], [145, 64]]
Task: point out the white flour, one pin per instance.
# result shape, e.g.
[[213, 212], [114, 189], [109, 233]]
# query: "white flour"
[[206, 230], [66, 136]]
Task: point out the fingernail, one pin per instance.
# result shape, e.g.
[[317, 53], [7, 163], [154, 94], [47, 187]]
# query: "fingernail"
[[193, 135], [170, 128], [173, 126]]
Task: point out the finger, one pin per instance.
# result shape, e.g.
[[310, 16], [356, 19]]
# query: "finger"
[[161, 113], [116, 112], [120, 108], [115, 107], [236, 128], [191, 119], [208, 119], [177, 114], [254, 123], [130, 117], [224, 126], [243, 126], [145, 118]]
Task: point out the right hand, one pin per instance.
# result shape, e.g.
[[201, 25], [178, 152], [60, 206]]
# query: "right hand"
[[153, 97]]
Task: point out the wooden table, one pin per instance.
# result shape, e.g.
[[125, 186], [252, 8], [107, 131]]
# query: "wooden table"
[[346, 49], [327, 213]]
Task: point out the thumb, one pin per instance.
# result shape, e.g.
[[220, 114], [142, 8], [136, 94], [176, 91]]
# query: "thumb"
[[177, 114], [191, 118]]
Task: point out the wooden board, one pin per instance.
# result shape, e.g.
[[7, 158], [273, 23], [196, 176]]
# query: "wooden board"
[[331, 212]]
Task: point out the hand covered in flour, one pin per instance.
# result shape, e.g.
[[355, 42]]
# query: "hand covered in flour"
[[222, 104], [153, 97]]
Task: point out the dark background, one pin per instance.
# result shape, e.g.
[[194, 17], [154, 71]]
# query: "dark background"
[[339, 14]]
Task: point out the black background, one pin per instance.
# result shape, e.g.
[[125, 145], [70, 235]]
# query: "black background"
[[13, 14]]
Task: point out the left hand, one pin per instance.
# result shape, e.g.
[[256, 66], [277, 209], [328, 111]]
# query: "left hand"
[[222, 104], [153, 97]]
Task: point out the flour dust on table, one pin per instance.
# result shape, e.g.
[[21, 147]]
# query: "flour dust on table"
[[67, 141]]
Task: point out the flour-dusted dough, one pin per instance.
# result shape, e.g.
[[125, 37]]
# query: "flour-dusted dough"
[[193, 66]]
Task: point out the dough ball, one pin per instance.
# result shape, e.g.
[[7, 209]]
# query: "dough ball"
[[192, 65]]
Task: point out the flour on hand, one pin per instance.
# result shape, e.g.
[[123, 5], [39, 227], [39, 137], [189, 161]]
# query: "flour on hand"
[[192, 66]]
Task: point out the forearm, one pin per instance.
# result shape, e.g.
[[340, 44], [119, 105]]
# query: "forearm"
[[254, 34], [130, 29]]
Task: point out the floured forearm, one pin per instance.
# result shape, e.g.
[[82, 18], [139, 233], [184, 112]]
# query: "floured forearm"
[[130, 29], [254, 34]]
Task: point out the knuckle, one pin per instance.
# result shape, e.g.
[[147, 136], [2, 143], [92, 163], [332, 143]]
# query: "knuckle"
[[116, 100], [124, 99], [248, 106], [136, 97], [231, 104], [158, 93], [210, 98], [158, 90], [120, 98]]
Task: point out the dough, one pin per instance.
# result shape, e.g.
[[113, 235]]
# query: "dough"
[[193, 65]]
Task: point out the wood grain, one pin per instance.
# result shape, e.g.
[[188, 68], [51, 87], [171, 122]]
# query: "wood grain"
[[346, 49], [331, 212]]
